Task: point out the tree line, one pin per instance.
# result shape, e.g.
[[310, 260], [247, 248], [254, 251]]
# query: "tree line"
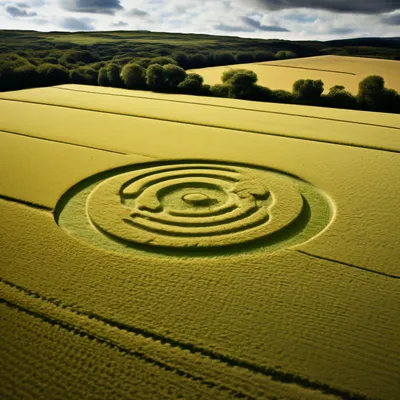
[[242, 84], [24, 69], [168, 75]]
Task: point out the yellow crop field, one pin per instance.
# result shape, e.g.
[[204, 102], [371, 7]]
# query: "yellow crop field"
[[162, 246], [332, 70]]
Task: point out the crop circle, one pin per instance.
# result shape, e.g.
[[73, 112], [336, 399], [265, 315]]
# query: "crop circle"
[[191, 205]]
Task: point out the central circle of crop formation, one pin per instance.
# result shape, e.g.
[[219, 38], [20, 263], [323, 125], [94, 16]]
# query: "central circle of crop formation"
[[197, 199], [193, 205]]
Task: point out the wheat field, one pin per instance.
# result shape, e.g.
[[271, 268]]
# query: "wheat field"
[[159, 246], [332, 70]]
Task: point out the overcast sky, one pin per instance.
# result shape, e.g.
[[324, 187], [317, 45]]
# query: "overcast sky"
[[283, 19]]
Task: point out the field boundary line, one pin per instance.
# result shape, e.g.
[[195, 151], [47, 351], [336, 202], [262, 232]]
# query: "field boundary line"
[[231, 107], [76, 329], [122, 349], [372, 271], [312, 69], [25, 203], [62, 142], [76, 144], [368, 147], [273, 373]]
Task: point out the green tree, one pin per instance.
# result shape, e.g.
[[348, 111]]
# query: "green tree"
[[98, 65], [134, 76], [75, 56], [77, 76], [90, 74], [242, 84], [102, 79], [338, 97], [243, 78], [220, 90], [205, 90], [12, 60], [264, 56], [224, 58], [285, 54], [50, 74], [260, 93], [113, 75], [308, 91], [390, 102], [163, 61], [282, 96], [16, 72], [175, 75], [164, 52], [193, 84], [24, 76], [156, 78], [125, 60], [244, 57], [228, 74], [181, 58], [143, 62], [197, 60], [371, 92], [146, 54]]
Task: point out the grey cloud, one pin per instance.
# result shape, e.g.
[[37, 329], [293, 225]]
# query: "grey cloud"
[[303, 19], [231, 28], [92, 6], [17, 12], [391, 19], [137, 13], [257, 25], [26, 4], [342, 31], [75, 24], [251, 22], [119, 24], [273, 28], [344, 6]]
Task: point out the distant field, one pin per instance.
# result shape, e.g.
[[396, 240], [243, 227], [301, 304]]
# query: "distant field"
[[89, 40], [164, 246], [332, 70]]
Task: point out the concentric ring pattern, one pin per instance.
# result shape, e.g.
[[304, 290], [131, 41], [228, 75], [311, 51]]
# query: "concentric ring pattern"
[[193, 205]]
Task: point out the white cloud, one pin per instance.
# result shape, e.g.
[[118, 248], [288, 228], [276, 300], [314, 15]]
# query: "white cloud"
[[206, 16]]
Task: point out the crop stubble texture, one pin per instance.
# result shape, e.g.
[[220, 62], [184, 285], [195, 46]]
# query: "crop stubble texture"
[[317, 313]]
